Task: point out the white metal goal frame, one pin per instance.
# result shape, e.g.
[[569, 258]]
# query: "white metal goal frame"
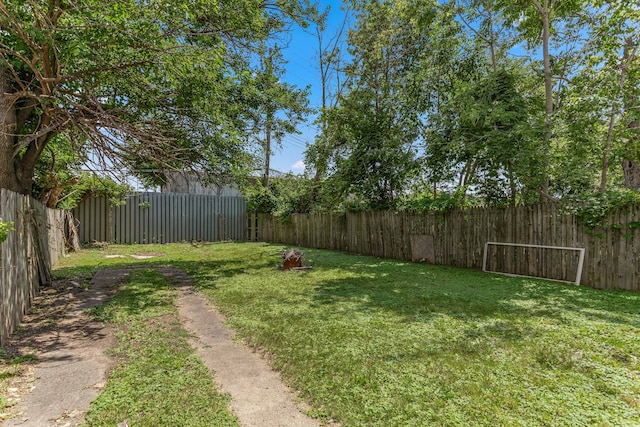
[[524, 245]]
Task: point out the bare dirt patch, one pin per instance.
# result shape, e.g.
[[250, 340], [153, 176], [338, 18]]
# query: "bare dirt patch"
[[70, 365]]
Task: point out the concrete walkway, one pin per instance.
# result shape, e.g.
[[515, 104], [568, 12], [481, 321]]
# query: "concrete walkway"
[[72, 365], [259, 398]]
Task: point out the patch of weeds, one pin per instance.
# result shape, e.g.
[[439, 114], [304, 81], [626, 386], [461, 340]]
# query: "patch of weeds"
[[12, 366], [98, 245], [159, 380], [6, 358]]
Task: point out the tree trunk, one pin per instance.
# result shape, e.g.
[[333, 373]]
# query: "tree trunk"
[[17, 171], [548, 94], [631, 169], [73, 242], [321, 162], [8, 129], [54, 196], [629, 54], [268, 121], [607, 149], [512, 183], [631, 166], [267, 152]]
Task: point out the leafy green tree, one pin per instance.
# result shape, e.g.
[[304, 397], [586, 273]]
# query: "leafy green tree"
[[493, 126], [129, 82], [544, 25], [486, 25], [285, 195], [333, 81], [373, 129], [277, 107], [619, 43], [598, 105]]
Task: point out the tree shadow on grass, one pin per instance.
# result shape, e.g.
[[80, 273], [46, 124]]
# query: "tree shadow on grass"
[[56, 326], [492, 304], [469, 314], [420, 292]]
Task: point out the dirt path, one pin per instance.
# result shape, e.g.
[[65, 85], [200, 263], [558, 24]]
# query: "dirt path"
[[72, 366]]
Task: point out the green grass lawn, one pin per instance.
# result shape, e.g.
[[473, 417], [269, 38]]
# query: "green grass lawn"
[[373, 342], [158, 380]]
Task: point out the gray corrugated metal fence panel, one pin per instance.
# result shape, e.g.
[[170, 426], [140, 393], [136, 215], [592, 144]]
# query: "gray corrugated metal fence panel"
[[92, 220], [162, 218]]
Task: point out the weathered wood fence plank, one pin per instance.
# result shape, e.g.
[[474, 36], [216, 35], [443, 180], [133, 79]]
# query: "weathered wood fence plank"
[[26, 257]]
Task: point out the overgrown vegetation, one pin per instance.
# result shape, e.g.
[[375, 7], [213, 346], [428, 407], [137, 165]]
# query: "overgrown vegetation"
[[292, 194], [284, 196], [440, 94], [11, 366], [158, 380], [5, 228], [592, 209], [60, 182], [369, 342]]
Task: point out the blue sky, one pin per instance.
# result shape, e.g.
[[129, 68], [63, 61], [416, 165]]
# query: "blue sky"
[[302, 70]]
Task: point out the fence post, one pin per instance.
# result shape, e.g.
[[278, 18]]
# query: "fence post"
[[110, 231], [252, 227], [3, 310], [7, 214]]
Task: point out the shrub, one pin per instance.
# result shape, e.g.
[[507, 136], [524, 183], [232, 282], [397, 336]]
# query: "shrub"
[[5, 227], [261, 200], [592, 208]]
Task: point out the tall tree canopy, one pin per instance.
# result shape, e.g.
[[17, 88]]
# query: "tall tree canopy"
[[505, 101], [372, 130], [129, 82]]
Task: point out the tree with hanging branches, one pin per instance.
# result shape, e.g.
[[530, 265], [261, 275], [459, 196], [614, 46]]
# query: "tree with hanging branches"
[[130, 83]]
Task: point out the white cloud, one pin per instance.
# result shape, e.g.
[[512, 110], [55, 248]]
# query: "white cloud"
[[298, 166]]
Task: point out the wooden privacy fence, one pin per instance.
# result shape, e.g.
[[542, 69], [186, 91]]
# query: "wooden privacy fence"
[[162, 218], [457, 238], [28, 254]]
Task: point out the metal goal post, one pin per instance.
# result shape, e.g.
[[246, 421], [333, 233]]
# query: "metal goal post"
[[580, 260]]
